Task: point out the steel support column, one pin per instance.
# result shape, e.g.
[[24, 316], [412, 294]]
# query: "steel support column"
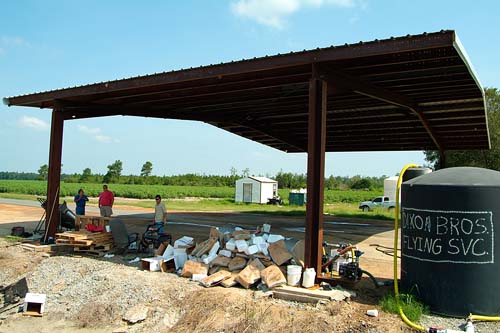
[[315, 173], [54, 175], [442, 159]]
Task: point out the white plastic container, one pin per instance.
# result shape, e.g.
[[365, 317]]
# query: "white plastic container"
[[180, 258], [293, 275], [308, 277], [231, 245], [252, 249], [241, 245]]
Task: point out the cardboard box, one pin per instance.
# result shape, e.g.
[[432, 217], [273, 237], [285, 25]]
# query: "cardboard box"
[[34, 304], [151, 264]]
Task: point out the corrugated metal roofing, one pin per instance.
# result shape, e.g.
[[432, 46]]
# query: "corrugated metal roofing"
[[382, 95], [263, 179]]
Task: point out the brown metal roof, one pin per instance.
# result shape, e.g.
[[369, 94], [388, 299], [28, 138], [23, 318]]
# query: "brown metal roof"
[[416, 92]]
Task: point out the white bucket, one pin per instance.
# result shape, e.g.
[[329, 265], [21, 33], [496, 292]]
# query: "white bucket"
[[293, 275], [308, 278]]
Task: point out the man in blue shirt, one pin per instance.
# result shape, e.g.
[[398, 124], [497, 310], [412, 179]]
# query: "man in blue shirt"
[[80, 200]]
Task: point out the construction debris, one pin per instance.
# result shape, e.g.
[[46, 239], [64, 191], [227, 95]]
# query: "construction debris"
[[279, 253], [250, 274], [232, 256], [215, 278], [193, 267], [272, 276]]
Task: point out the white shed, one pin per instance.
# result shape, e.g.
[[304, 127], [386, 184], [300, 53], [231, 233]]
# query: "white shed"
[[255, 189]]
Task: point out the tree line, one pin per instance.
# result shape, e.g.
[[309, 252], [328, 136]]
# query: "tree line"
[[287, 180]]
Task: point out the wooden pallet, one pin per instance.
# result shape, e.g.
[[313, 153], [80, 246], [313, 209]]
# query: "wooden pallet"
[[81, 239], [97, 253], [106, 247]]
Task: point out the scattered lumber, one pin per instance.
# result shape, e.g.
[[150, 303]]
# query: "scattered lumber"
[[84, 241]]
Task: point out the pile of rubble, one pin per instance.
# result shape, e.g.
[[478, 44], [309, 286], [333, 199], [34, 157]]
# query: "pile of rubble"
[[234, 256]]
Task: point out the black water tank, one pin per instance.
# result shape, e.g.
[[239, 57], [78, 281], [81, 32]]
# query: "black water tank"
[[449, 251]]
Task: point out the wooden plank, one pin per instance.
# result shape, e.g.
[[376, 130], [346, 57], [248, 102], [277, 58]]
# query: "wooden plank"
[[297, 298], [36, 248], [324, 294]]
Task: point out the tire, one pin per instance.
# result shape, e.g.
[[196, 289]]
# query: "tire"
[[390, 209], [365, 209]]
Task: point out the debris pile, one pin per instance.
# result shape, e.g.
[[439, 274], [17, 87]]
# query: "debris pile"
[[250, 258]]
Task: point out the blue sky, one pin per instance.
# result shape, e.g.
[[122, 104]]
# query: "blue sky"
[[53, 44]]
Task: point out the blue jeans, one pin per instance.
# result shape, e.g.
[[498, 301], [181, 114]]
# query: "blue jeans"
[[159, 227]]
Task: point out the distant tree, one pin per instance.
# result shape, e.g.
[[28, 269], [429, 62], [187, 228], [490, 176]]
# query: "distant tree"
[[147, 168], [43, 171], [86, 174], [489, 159], [361, 184], [114, 172], [233, 172], [246, 172]]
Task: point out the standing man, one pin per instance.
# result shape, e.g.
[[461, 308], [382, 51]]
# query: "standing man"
[[106, 200], [160, 214], [80, 200]]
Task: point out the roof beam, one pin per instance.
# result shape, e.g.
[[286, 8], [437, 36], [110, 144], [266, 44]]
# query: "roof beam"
[[370, 90]]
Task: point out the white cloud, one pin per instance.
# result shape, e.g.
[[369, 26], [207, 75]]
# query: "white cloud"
[[96, 134], [10, 42], [89, 131], [34, 123], [273, 12], [14, 41]]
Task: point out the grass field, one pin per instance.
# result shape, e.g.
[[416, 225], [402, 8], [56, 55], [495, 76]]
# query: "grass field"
[[35, 187], [337, 202]]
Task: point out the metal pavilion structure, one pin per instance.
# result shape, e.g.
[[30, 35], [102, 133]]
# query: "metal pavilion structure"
[[417, 92]]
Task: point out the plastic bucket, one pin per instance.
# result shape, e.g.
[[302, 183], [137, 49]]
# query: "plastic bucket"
[[308, 278], [293, 275]]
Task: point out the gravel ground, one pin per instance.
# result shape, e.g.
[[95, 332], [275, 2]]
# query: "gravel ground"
[[86, 294], [95, 292], [459, 323]]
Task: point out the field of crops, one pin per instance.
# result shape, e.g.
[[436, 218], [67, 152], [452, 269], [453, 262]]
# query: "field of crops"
[[34, 187]]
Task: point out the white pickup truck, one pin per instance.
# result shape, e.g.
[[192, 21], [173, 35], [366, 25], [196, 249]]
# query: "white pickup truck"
[[385, 202]]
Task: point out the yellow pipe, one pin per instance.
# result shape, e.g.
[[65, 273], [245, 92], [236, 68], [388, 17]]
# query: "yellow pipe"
[[396, 227], [483, 318]]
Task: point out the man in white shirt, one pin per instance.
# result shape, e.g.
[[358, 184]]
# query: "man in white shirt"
[[160, 214]]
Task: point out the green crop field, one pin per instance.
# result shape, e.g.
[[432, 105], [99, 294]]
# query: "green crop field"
[[39, 188], [337, 202]]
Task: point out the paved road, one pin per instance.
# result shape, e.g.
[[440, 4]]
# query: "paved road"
[[363, 232], [197, 224]]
